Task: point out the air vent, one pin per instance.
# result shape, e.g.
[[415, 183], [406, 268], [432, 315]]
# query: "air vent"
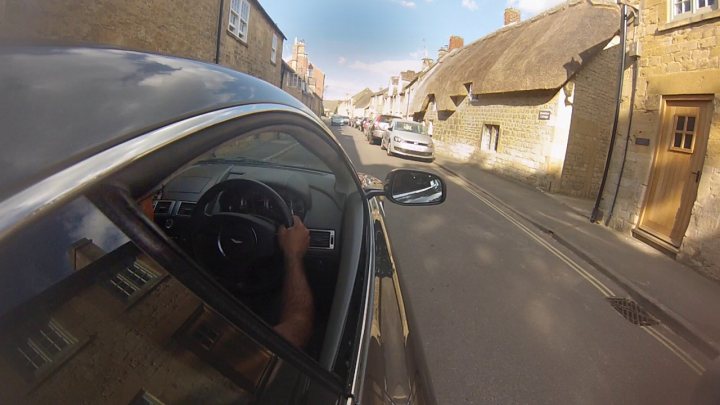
[[163, 207], [186, 209], [322, 239]]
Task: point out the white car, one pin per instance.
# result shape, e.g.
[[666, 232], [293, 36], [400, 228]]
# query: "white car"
[[408, 138]]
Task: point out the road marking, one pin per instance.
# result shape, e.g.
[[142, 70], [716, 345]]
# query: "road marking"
[[475, 190], [604, 290], [282, 152], [670, 345]]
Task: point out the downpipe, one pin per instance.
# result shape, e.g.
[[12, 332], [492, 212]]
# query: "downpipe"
[[596, 214], [627, 140]]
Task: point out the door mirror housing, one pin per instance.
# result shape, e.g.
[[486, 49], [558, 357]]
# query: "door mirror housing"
[[414, 187]]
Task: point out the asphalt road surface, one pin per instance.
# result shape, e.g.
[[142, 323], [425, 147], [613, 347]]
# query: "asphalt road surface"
[[506, 315]]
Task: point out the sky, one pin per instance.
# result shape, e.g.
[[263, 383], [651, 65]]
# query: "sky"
[[361, 43]]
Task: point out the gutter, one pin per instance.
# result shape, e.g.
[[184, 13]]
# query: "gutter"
[[219, 32], [596, 214]]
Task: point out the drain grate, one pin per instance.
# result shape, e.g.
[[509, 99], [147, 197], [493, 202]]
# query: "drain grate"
[[631, 311]]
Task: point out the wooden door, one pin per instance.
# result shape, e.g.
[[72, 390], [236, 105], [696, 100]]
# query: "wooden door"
[[677, 169]]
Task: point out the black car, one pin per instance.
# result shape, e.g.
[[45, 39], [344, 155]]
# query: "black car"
[[141, 202]]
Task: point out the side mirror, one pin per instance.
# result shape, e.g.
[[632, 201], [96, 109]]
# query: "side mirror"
[[414, 187]]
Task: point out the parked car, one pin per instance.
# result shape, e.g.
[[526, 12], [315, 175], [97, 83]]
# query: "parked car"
[[336, 120], [379, 127], [345, 120], [408, 138], [138, 215]]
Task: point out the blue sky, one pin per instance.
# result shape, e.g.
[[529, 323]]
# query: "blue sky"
[[361, 43]]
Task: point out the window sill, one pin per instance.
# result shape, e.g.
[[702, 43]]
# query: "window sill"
[[237, 38], [683, 21]]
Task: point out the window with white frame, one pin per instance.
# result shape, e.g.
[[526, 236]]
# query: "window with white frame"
[[686, 8], [132, 280], [239, 18], [490, 138], [43, 348], [273, 53]]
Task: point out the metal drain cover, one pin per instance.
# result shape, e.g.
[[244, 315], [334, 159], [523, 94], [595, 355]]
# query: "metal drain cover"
[[631, 311]]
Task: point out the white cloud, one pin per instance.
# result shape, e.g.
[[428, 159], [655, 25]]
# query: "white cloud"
[[358, 75], [386, 68], [418, 54], [342, 60], [406, 3], [532, 7], [470, 5]]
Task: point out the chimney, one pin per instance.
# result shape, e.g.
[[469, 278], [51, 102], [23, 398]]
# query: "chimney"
[[512, 16], [456, 43]]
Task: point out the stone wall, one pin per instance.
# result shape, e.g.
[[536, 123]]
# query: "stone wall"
[[679, 57], [186, 28], [253, 56], [525, 144], [595, 88]]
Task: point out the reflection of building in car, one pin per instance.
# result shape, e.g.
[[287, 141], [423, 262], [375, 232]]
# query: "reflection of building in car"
[[118, 306]]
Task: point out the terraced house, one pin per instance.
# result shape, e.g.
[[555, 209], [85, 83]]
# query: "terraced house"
[[664, 180], [238, 34]]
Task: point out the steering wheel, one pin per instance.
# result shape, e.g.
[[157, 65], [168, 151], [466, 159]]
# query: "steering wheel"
[[241, 249]]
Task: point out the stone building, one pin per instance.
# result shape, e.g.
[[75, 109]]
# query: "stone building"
[[241, 35], [358, 105], [533, 100], [297, 85], [667, 171], [301, 64]]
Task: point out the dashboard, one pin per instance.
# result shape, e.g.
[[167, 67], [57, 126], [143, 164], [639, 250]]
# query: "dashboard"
[[309, 195], [255, 203]]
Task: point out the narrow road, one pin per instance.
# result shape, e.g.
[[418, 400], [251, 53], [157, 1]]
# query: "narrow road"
[[506, 315]]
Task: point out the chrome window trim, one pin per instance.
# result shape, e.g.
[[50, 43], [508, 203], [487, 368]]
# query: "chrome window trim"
[[359, 373], [35, 200]]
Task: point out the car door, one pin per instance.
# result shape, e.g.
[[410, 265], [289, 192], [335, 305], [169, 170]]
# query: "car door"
[[395, 370], [101, 305]]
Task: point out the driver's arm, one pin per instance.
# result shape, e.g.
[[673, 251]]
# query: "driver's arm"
[[298, 311]]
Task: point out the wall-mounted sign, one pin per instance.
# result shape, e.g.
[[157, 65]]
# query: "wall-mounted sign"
[[642, 141], [544, 115]]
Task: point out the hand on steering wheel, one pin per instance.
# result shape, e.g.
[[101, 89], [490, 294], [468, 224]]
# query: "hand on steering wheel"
[[294, 241]]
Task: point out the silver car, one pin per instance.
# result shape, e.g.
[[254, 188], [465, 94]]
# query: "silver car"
[[408, 138]]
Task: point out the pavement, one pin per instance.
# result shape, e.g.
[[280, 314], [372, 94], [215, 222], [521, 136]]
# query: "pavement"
[[681, 298]]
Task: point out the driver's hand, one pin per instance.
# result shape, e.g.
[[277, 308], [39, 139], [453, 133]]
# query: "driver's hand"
[[294, 241]]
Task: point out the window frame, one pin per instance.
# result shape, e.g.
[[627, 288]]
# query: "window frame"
[[695, 8], [121, 209], [52, 361], [237, 9], [273, 49], [493, 142]]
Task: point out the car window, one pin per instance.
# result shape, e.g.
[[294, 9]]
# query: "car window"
[[275, 148], [206, 205], [87, 316], [408, 127]]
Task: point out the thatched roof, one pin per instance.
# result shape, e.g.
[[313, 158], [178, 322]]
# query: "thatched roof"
[[331, 105], [362, 99], [542, 53]]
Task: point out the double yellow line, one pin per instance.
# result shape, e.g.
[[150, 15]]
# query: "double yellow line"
[[606, 291]]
